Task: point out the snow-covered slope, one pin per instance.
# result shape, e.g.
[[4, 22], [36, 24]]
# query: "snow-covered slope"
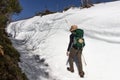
[[43, 41]]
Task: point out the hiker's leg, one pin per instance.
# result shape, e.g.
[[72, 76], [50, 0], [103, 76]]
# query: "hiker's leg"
[[71, 57], [71, 64], [80, 68]]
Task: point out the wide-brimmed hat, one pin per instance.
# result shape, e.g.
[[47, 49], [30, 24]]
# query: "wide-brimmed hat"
[[73, 27]]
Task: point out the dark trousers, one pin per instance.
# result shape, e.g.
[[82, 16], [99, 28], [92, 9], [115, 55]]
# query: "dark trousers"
[[75, 53]]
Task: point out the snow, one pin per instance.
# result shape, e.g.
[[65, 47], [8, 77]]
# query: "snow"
[[43, 41]]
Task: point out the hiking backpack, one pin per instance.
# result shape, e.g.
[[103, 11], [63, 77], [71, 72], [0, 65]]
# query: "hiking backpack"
[[78, 38]]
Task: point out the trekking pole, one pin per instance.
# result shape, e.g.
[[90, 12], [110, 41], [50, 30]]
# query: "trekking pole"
[[83, 57], [84, 60], [67, 62], [68, 25]]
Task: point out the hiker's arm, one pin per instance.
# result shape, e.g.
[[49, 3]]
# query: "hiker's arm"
[[70, 42]]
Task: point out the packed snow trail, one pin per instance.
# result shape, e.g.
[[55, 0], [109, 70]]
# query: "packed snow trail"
[[42, 43]]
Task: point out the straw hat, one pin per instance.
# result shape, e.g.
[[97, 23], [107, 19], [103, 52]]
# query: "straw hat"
[[73, 27]]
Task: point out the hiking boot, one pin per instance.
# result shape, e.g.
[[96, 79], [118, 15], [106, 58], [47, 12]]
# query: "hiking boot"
[[81, 74], [71, 70]]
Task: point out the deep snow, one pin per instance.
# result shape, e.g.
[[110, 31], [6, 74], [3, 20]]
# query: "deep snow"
[[42, 43]]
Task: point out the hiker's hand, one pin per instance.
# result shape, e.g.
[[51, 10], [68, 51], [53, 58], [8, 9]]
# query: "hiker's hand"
[[67, 53]]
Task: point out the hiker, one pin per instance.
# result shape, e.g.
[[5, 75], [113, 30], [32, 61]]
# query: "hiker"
[[75, 50]]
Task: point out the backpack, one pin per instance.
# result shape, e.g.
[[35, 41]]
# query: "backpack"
[[78, 41]]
